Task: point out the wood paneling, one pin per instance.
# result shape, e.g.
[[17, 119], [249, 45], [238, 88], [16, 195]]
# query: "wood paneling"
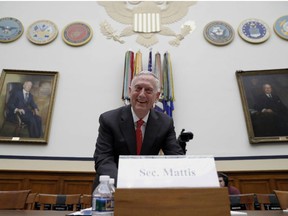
[[78, 186], [44, 186], [47, 182], [282, 183], [257, 186], [11, 184], [262, 182], [259, 181]]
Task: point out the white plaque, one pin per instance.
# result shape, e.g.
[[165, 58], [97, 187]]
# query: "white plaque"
[[166, 172]]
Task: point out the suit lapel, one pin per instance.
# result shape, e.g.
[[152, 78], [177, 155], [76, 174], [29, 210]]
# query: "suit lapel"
[[22, 95], [128, 129]]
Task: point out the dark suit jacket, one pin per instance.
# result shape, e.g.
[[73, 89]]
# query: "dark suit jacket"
[[16, 100], [117, 136], [274, 103]]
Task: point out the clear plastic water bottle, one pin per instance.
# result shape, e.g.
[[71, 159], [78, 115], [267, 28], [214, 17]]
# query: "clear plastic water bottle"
[[102, 198], [112, 189]]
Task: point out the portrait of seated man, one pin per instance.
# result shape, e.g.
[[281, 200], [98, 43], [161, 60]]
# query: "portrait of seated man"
[[21, 105], [270, 117]]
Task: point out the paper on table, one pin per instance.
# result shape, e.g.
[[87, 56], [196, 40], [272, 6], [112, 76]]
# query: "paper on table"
[[236, 213], [87, 211]]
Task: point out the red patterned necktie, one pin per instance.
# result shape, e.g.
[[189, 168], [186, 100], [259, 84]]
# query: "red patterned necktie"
[[139, 135]]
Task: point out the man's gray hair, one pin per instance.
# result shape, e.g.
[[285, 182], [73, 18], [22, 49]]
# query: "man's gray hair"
[[149, 73]]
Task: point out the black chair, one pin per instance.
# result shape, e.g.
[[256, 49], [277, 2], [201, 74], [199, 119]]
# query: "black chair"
[[267, 202], [59, 201], [242, 202]]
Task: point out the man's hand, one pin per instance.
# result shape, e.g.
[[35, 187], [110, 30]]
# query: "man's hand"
[[37, 112], [20, 111], [267, 110]]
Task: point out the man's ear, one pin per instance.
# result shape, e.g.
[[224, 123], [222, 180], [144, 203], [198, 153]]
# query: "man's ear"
[[157, 96]]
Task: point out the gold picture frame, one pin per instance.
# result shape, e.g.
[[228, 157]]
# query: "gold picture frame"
[[265, 103], [26, 104]]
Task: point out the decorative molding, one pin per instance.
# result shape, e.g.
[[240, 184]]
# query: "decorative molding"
[[146, 20]]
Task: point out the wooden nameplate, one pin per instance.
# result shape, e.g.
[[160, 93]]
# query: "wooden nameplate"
[[172, 202]]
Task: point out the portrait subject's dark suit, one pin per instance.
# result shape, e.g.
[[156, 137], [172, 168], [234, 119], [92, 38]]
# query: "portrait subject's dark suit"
[[33, 121], [117, 137], [275, 123], [274, 103]]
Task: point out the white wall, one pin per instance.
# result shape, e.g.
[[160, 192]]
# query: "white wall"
[[90, 77]]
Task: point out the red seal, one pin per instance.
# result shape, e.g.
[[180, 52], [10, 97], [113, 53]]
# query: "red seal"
[[77, 34]]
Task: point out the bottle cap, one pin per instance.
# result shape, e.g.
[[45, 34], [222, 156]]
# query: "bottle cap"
[[104, 178], [111, 181]]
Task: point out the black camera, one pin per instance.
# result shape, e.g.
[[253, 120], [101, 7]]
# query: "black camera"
[[184, 137]]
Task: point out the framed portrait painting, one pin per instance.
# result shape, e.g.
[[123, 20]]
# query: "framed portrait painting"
[[26, 104], [264, 96]]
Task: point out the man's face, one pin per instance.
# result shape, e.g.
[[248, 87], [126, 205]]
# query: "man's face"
[[221, 182], [267, 89], [143, 95], [27, 86]]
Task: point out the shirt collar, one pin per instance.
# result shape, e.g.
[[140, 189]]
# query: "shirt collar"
[[135, 117], [25, 91]]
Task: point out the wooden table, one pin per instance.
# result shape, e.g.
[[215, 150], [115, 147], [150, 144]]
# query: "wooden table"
[[33, 213], [63, 213], [266, 213]]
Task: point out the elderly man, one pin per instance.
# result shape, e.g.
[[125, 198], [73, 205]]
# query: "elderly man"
[[272, 114], [21, 103], [122, 130]]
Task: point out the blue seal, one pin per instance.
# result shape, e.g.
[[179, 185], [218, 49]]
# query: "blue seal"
[[254, 31]]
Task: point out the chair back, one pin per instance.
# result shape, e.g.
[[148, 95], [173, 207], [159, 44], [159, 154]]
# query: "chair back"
[[267, 202], [13, 200], [11, 88], [58, 199], [30, 201], [15, 124], [282, 197], [247, 200], [86, 201]]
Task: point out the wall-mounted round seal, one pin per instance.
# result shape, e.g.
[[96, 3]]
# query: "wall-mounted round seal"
[[10, 29], [254, 31], [218, 33], [77, 34], [42, 32], [281, 27]]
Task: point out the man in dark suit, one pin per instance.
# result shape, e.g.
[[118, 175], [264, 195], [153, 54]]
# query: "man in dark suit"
[[117, 130], [272, 118], [21, 104]]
